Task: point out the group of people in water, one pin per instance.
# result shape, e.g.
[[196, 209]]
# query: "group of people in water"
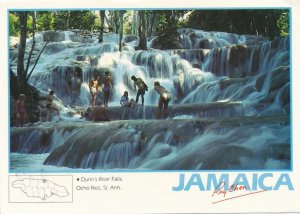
[[95, 87], [139, 85], [21, 113]]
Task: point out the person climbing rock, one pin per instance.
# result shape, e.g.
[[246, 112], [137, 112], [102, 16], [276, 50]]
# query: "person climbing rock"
[[142, 87], [163, 101], [50, 107], [20, 109], [106, 88], [94, 88]]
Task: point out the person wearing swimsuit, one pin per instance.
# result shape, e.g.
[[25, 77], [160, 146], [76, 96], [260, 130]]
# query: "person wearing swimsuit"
[[21, 111], [50, 107], [94, 86], [107, 88]]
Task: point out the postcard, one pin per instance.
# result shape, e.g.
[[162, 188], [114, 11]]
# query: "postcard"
[[149, 107]]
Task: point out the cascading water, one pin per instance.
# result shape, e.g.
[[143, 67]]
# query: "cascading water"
[[216, 77]]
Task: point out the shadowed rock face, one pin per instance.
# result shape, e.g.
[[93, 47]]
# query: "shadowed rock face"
[[224, 143], [225, 109], [182, 144]]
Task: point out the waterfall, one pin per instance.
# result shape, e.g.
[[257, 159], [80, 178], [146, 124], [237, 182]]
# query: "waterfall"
[[230, 106], [37, 141]]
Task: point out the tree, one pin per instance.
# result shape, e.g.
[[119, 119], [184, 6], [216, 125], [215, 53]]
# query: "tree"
[[21, 72], [121, 14], [135, 18], [14, 25], [256, 22], [142, 30], [152, 23], [44, 20], [168, 23], [102, 19], [283, 23]]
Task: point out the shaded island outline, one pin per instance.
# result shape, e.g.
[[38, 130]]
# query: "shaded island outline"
[[40, 188]]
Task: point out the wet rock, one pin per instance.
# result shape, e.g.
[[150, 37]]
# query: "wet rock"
[[204, 44], [285, 96], [66, 82], [31, 142], [81, 58], [225, 157], [254, 39], [280, 151], [13, 54], [237, 60], [57, 37], [260, 82], [280, 76], [224, 83], [97, 113], [99, 146], [13, 42], [130, 38], [162, 44], [55, 47]]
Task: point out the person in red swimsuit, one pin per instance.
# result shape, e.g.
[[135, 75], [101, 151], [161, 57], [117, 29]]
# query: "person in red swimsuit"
[[21, 111]]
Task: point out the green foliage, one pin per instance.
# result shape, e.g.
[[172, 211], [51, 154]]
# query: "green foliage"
[[257, 22], [29, 24], [167, 25], [84, 20], [266, 22], [283, 23], [128, 22], [45, 21], [14, 25]]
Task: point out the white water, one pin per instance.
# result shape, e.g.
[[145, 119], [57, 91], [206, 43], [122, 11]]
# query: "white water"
[[246, 147], [174, 72], [193, 77]]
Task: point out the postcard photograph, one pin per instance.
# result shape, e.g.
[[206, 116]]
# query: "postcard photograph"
[[149, 90]]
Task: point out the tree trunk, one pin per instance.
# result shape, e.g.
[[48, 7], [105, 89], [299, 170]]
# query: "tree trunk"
[[135, 18], [33, 40], [153, 22], [121, 29], [102, 18], [142, 31], [21, 73], [114, 21]]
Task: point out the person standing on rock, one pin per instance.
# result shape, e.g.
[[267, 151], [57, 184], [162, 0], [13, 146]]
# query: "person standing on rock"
[[50, 107], [106, 88], [142, 87], [94, 87], [163, 101], [20, 109]]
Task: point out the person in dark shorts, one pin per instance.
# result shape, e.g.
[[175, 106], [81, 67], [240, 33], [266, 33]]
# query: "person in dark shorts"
[[142, 87], [163, 101], [106, 88]]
